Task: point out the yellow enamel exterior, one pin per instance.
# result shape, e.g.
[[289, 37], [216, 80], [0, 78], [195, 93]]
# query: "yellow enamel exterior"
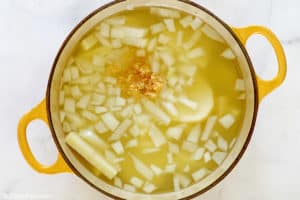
[[266, 86], [39, 112]]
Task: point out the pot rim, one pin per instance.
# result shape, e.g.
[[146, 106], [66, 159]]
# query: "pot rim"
[[253, 77]]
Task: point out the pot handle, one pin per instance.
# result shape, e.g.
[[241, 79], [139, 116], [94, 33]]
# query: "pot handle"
[[266, 86], [39, 112]]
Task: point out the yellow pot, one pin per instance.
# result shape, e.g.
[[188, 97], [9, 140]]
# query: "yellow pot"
[[256, 90]]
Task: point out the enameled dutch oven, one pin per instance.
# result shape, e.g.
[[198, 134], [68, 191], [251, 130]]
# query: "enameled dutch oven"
[[256, 90]]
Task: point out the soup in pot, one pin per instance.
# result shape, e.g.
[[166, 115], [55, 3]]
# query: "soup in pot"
[[152, 100]]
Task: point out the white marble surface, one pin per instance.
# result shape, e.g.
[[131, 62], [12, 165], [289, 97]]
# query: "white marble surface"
[[31, 32]]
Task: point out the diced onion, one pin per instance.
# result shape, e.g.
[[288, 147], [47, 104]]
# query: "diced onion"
[[195, 53], [129, 188], [170, 25], [183, 179], [119, 20], [104, 41], [187, 102], [163, 39], [189, 146], [89, 42], [89, 115], [156, 111], [173, 148], [208, 128], [135, 42], [118, 147], [132, 143], [141, 168], [227, 121], [170, 168], [170, 108], [93, 139], [156, 136], [218, 157], [186, 21], [228, 54], [198, 154], [69, 105], [122, 128], [100, 109], [175, 132], [151, 45], [194, 134], [211, 33], [186, 169], [101, 128], [116, 43], [157, 28], [176, 184], [104, 30], [151, 150], [131, 32], [196, 23], [118, 182], [222, 143], [170, 158], [179, 38], [165, 12], [137, 182], [207, 157], [167, 58], [210, 146], [157, 171], [240, 85], [149, 188], [110, 121], [134, 130], [198, 175], [83, 102], [193, 40], [140, 53]]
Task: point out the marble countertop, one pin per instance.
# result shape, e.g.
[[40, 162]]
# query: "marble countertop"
[[31, 32]]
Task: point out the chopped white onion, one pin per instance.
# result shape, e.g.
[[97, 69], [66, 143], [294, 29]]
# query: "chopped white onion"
[[240, 85], [189, 146], [62, 116], [137, 182], [187, 102], [93, 139], [69, 105], [186, 169], [210, 146], [141, 53], [118, 182], [149, 188], [196, 23], [118, 147], [175, 132], [156, 111], [242, 96], [186, 21], [189, 70], [152, 44], [170, 25], [198, 175], [179, 38], [134, 130], [132, 143], [150, 150], [228, 54], [167, 58], [165, 12], [193, 40], [74, 73], [129, 188], [218, 157], [141, 168], [211, 33], [135, 42], [194, 134], [116, 43], [156, 136], [195, 53], [97, 99], [75, 91], [173, 148], [208, 128], [163, 39], [89, 42], [126, 31], [176, 184], [207, 157], [198, 154], [170, 108], [100, 109], [222, 143], [110, 121], [99, 61], [183, 180], [157, 171], [105, 30], [227, 121], [89, 115], [122, 128], [101, 128], [170, 158], [119, 20], [157, 28], [61, 98], [137, 108], [170, 168], [104, 41]]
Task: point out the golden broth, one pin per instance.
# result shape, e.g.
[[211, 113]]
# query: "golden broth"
[[116, 75]]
